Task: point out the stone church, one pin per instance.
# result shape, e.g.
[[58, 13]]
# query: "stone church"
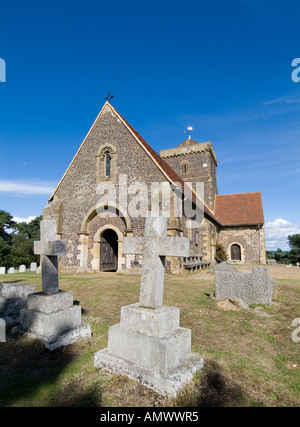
[[114, 157]]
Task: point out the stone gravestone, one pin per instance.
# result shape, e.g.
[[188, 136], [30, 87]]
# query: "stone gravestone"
[[11, 270], [296, 265], [33, 266], [2, 330], [51, 315], [22, 268], [2, 270], [148, 345], [251, 288], [13, 298]]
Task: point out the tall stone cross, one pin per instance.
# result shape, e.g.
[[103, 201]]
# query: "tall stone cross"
[[155, 246], [49, 248]]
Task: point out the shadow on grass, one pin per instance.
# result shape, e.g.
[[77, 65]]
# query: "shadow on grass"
[[31, 375], [213, 388]]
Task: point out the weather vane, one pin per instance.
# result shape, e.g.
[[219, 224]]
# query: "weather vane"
[[109, 97], [189, 130]]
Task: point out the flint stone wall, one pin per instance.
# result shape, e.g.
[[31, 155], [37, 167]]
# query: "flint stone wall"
[[253, 288], [248, 240]]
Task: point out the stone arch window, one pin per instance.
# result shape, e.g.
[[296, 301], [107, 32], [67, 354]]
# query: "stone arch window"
[[107, 163], [235, 252], [106, 160], [185, 167]]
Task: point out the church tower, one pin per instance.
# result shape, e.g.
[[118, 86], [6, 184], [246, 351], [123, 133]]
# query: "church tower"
[[195, 162]]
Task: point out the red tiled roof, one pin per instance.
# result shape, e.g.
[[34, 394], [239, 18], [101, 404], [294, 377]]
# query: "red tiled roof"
[[239, 209]]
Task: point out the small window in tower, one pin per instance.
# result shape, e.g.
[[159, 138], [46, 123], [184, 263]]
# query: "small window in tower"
[[184, 167], [107, 164], [196, 238]]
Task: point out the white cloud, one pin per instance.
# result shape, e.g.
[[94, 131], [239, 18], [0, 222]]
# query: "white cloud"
[[277, 231], [20, 219], [18, 188]]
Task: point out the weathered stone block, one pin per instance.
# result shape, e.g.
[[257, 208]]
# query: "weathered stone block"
[[51, 324], [255, 288], [161, 355], [154, 323], [50, 303], [55, 248], [13, 298]]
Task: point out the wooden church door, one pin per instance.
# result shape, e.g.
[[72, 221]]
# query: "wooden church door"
[[109, 251], [236, 252]]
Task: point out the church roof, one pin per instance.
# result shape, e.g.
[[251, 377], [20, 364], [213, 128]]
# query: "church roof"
[[239, 209], [169, 173], [188, 142]]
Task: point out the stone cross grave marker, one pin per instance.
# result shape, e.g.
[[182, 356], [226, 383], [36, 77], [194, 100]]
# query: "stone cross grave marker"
[[51, 315], [155, 246], [148, 344], [49, 248]]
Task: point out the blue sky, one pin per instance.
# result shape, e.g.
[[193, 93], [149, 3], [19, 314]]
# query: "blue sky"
[[222, 67]]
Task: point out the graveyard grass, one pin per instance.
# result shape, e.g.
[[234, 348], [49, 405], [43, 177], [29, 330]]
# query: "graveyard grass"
[[250, 358]]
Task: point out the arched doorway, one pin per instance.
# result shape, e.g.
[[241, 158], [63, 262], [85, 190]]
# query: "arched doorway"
[[236, 253], [109, 251]]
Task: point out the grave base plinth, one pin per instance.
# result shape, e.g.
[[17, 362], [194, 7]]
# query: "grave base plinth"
[[166, 385], [149, 346], [53, 319], [62, 340]]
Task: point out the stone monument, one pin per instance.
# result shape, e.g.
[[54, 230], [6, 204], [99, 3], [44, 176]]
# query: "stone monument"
[[13, 298], [33, 266], [148, 345], [22, 268], [51, 315], [2, 270], [11, 270], [251, 288]]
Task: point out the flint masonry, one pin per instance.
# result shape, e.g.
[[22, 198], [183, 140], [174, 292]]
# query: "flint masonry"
[[113, 148]]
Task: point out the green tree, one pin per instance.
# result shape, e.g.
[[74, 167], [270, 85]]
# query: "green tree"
[[16, 241], [220, 253], [23, 242], [7, 226], [270, 254], [30, 230], [294, 241]]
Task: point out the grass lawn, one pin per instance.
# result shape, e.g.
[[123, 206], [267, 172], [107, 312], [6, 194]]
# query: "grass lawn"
[[250, 357]]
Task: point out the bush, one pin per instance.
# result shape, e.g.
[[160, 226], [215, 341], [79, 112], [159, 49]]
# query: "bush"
[[220, 253]]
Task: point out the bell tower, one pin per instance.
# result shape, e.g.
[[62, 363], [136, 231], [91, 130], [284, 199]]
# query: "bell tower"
[[195, 162]]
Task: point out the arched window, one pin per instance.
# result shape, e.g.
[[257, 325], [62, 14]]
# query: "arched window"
[[236, 252], [184, 167], [107, 163], [106, 159]]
